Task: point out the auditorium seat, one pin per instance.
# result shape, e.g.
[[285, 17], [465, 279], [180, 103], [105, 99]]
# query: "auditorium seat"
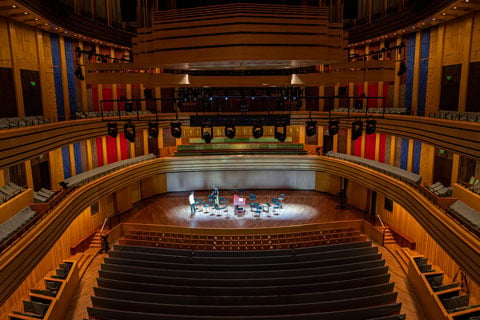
[[344, 281]]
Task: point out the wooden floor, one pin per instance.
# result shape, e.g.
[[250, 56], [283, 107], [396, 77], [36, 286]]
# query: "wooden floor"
[[300, 207]]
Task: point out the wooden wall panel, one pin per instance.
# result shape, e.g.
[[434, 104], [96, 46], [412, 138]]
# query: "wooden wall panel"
[[357, 195], [328, 183], [5, 53]]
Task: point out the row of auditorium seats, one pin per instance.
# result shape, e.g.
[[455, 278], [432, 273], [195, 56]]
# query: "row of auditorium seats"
[[15, 223], [95, 114], [245, 242], [18, 122], [451, 296], [455, 115], [41, 300], [347, 281], [9, 191], [399, 173], [43, 195], [96, 173], [373, 110], [468, 216], [440, 190]]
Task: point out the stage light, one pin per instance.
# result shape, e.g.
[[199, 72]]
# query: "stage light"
[[90, 54], [78, 73], [402, 69], [230, 131], [176, 129], [129, 131], [311, 128], [112, 129], [357, 128], [153, 129], [207, 133], [371, 126], [257, 131], [332, 127], [281, 135]]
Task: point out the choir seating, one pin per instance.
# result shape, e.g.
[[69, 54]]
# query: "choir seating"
[[14, 224], [340, 281]]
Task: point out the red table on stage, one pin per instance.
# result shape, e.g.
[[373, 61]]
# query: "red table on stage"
[[239, 201]]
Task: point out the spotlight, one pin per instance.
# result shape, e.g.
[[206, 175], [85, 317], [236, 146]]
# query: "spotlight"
[[153, 129], [311, 128], [129, 131], [371, 126], [332, 127], [79, 52], [257, 131], [78, 73], [281, 135], [207, 133], [112, 129], [402, 69], [90, 54], [357, 128], [230, 131], [176, 129]]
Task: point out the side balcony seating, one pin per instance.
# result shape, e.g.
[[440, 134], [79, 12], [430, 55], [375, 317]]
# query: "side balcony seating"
[[467, 215], [399, 173], [15, 223], [89, 175]]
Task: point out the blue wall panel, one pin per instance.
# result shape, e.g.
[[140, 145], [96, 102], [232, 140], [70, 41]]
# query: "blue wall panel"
[[67, 171], [409, 73], [57, 76], [77, 153], [404, 154], [72, 95], [422, 88], [417, 149]]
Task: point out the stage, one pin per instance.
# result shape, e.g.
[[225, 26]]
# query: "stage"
[[299, 207]]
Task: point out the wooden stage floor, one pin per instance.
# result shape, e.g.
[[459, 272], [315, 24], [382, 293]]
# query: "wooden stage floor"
[[299, 207]]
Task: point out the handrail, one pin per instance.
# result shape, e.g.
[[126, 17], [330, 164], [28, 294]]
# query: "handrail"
[[103, 225], [381, 222]]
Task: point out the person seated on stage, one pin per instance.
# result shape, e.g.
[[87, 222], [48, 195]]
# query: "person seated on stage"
[[216, 196], [191, 200]]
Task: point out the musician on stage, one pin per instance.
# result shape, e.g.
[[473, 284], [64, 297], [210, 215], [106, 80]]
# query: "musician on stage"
[[215, 196]]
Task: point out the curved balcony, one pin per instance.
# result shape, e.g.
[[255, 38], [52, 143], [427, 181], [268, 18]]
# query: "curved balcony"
[[17, 262]]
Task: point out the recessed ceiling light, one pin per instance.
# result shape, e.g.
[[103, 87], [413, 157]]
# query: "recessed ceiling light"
[[423, 23], [36, 19], [14, 6], [433, 19], [25, 13], [56, 28], [46, 24], [403, 30], [467, 1], [444, 14], [414, 27], [454, 8]]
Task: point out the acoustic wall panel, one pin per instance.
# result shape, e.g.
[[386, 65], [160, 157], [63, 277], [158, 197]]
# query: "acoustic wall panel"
[[409, 73], [404, 154], [98, 145], [72, 92], [57, 75], [382, 147], [67, 170], [77, 153], [424, 56], [417, 152], [111, 149], [370, 140]]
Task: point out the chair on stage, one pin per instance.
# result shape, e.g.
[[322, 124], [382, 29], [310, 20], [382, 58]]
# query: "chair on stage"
[[258, 211], [252, 197]]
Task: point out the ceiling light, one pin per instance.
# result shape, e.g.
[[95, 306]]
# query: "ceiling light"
[[129, 131], [25, 13], [357, 128], [454, 8], [36, 19], [333, 127], [257, 131], [311, 128], [433, 19], [14, 6], [176, 129]]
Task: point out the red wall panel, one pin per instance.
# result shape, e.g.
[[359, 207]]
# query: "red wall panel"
[[370, 140], [111, 149]]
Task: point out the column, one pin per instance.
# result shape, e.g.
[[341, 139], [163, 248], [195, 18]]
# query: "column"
[[63, 69], [89, 154], [392, 150], [410, 154], [467, 50], [416, 73], [56, 168]]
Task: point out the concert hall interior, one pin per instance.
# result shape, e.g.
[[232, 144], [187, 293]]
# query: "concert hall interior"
[[269, 159]]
